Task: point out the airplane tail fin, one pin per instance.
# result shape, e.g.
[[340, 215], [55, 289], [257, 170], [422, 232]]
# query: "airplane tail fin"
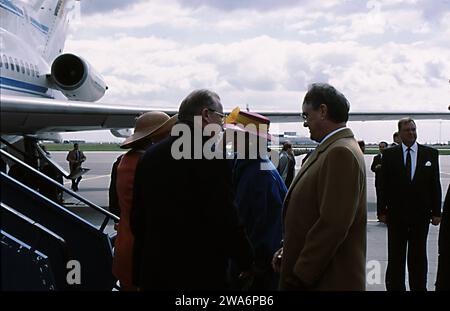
[[51, 19]]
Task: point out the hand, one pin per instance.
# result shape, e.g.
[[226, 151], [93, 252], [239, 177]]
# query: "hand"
[[276, 260], [435, 221], [378, 166]]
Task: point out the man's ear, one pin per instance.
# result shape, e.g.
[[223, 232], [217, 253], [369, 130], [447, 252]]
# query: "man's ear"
[[323, 111], [205, 115]]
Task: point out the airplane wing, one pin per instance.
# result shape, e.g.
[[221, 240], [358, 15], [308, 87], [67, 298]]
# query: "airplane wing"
[[30, 115], [287, 117]]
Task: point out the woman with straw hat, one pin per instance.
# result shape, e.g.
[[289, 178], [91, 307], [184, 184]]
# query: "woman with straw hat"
[[151, 127]]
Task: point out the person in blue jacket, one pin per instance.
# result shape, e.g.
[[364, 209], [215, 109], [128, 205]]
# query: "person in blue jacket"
[[259, 194]]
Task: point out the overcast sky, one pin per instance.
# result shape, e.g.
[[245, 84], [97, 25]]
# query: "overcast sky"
[[383, 55]]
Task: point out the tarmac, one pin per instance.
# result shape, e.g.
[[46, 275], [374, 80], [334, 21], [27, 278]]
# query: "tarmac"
[[95, 184]]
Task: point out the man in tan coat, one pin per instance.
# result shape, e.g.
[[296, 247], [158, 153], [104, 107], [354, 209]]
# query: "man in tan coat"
[[324, 213], [75, 158]]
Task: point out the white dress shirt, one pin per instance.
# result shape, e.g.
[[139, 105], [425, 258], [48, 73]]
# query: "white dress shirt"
[[413, 153], [330, 134]]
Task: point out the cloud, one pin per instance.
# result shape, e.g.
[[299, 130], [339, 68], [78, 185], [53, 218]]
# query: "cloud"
[[135, 14], [434, 10], [104, 6], [383, 55], [231, 5]]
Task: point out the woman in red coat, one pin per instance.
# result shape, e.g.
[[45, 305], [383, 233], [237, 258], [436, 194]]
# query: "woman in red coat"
[[150, 128]]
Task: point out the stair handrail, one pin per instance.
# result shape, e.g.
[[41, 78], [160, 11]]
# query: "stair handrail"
[[106, 213]]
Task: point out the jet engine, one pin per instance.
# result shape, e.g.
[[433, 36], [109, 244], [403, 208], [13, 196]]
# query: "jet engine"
[[76, 78]]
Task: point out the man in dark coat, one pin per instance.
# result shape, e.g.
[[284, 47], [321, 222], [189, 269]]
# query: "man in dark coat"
[[412, 190], [286, 164], [396, 139], [184, 220], [443, 275], [47, 189], [376, 168]]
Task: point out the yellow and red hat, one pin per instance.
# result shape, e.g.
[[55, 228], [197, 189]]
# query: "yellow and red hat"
[[239, 120]]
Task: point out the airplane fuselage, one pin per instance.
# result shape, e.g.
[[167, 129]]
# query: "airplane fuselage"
[[22, 72]]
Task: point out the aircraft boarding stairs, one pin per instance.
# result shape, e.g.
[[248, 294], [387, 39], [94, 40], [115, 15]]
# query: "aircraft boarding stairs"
[[45, 246]]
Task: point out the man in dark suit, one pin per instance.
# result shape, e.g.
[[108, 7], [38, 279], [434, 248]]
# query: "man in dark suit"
[[443, 274], [396, 139], [376, 168], [183, 218], [412, 191]]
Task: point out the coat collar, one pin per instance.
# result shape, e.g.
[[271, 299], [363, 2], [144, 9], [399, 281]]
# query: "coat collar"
[[345, 133]]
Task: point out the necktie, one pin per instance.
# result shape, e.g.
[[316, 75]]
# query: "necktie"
[[408, 163]]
